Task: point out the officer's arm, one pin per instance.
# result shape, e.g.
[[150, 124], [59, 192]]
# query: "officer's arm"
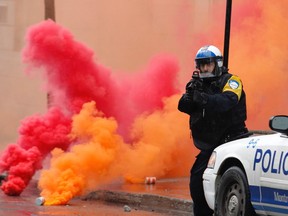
[[224, 101]]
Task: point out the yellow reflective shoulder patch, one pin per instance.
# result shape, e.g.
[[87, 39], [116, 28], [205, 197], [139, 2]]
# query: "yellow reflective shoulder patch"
[[234, 84]]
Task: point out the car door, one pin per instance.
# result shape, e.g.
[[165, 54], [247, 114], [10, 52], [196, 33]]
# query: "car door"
[[272, 157]]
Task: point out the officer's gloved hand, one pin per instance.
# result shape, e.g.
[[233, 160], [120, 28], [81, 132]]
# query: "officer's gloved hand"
[[200, 98], [186, 103], [189, 94], [188, 97], [189, 89]]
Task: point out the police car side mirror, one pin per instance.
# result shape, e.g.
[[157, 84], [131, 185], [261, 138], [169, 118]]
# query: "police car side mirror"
[[279, 123]]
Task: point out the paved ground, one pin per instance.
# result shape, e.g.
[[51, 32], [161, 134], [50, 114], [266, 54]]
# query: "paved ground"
[[169, 196], [166, 197]]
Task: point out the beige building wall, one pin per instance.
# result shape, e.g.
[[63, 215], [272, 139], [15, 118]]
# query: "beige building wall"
[[20, 96], [124, 34]]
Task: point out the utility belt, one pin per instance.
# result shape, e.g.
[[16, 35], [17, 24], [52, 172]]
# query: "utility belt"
[[230, 136]]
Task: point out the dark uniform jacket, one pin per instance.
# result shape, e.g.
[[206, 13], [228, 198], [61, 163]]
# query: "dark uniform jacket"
[[221, 117]]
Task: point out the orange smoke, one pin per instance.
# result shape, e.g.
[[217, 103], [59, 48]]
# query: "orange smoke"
[[258, 55], [102, 156], [87, 163]]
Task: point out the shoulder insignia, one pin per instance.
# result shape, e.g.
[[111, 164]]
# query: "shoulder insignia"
[[233, 84]]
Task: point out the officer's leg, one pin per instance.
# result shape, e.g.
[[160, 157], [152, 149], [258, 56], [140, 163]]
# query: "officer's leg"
[[201, 207]]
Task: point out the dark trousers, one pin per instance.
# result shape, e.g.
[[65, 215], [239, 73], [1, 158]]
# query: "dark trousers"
[[200, 207]]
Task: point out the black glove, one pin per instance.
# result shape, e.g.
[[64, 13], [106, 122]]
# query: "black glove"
[[200, 98], [189, 88]]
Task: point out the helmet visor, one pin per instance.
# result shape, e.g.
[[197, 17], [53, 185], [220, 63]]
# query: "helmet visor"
[[204, 61]]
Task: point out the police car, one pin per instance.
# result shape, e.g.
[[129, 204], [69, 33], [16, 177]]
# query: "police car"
[[250, 175]]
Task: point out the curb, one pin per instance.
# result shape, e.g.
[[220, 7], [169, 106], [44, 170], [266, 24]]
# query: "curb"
[[150, 202]]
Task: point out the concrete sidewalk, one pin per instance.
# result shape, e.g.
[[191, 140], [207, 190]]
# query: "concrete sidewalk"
[[169, 196], [165, 197]]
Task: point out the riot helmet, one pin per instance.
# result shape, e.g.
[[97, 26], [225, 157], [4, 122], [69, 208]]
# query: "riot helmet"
[[206, 55]]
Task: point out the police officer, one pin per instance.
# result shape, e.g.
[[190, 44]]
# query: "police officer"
[[216, 103]]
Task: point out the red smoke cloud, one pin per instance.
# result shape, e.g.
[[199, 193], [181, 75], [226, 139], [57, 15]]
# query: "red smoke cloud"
[[73, 78], [38, 136]]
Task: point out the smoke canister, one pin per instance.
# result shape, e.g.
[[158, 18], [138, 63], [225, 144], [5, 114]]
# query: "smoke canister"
[[150, 180], [40, 201]]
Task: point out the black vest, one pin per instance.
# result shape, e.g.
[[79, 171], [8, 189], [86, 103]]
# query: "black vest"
[[211, 128]]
